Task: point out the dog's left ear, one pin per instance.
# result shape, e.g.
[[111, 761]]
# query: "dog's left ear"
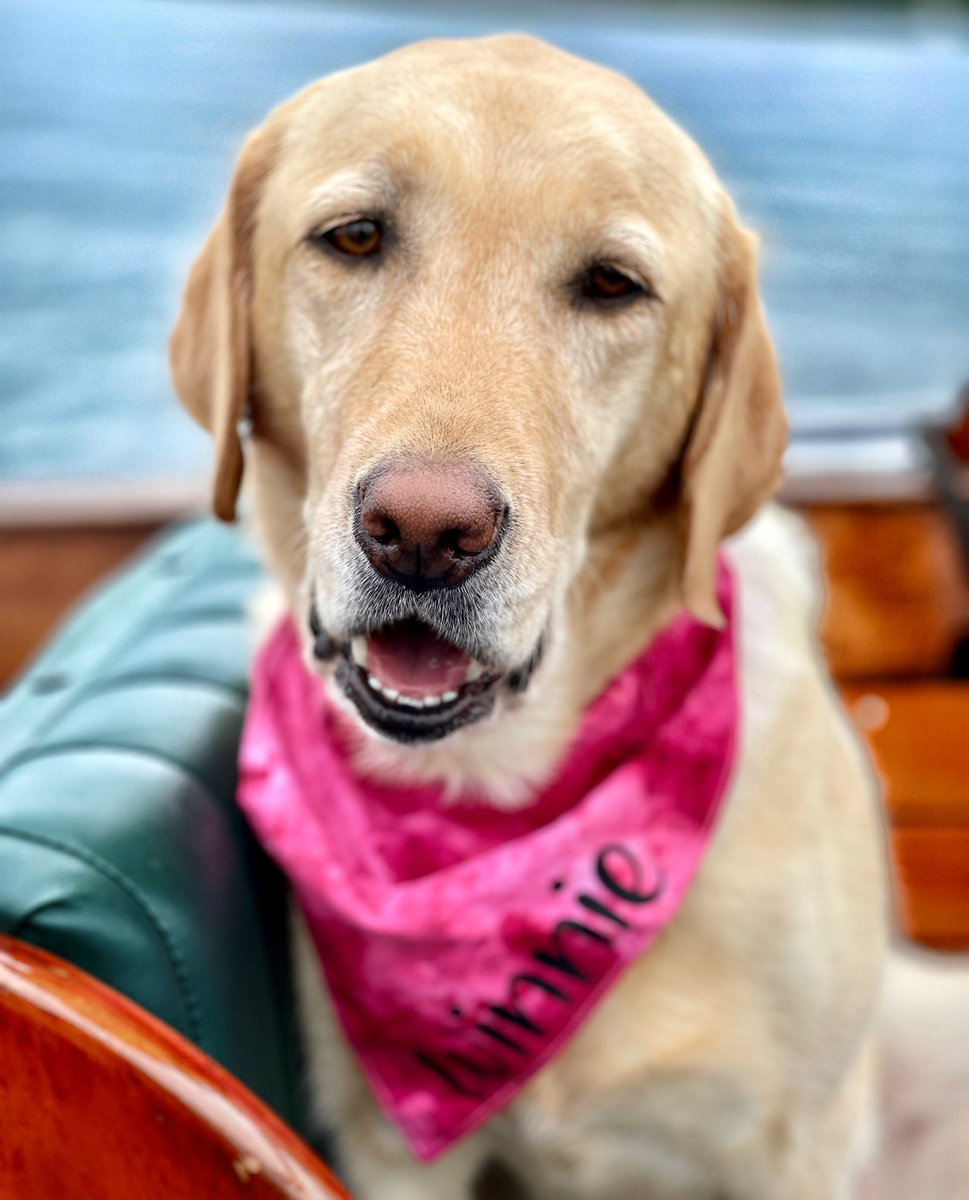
[[210, 348], [733, 456]]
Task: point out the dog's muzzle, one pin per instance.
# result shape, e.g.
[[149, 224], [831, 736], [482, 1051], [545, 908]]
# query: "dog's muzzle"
[[418, 660]]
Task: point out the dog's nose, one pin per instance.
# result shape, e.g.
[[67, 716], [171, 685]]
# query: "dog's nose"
[[428, 525]]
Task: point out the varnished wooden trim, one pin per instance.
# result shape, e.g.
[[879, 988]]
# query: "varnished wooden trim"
[[898, 596], [918, 733], [932, 896], [98, 1098]]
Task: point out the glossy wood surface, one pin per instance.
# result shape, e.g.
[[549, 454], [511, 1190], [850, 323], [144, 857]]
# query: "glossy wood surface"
[[99, 1101], [898, 596], [919, 733], [897, 613], [932, 872], [919, 736]]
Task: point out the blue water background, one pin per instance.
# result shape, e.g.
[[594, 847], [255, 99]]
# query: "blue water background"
[[844, 140]]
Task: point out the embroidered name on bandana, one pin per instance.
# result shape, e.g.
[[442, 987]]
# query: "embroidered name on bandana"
[[464, 946]]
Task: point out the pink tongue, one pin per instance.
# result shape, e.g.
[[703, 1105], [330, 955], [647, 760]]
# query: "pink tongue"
[[412, 659]]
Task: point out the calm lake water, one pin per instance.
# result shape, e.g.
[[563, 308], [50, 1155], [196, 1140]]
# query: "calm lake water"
[[846, 145]]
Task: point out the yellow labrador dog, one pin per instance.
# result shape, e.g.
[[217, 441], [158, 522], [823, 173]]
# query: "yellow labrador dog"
[[496, 331]]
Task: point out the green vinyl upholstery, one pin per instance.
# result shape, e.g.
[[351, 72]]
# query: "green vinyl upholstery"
[[121, 848]]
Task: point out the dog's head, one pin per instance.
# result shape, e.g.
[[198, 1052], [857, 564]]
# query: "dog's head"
[[497, 333]]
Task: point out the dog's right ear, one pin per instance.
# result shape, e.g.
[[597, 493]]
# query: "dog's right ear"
[[210, 348]]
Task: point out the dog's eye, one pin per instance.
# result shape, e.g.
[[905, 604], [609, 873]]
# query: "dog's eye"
[[604, 283], [361, 239]]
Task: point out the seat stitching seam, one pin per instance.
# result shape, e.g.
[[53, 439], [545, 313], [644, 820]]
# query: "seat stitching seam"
[[183, 983]]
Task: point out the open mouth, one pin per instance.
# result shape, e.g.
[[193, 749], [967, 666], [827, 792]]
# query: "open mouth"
[[412, 685]]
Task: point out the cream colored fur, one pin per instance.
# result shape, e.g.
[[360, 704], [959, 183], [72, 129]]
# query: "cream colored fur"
[[735, 1060]]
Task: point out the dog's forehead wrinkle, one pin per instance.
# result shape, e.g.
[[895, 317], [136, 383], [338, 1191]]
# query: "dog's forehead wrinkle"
[[363, 188], [636, 237]]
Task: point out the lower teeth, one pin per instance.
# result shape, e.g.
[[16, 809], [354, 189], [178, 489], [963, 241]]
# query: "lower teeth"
[[394, 697]]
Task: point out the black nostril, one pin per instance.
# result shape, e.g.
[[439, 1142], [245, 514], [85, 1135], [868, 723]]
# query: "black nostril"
[[387, 533], [450, 541], [375, 522]]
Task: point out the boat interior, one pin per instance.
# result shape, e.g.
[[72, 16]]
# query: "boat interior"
[[129, 998]]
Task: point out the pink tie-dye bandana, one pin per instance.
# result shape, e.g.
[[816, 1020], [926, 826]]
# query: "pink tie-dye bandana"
[[463, 946]]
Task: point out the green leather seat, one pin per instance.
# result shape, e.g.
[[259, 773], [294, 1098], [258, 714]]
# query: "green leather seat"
[[121, 848]]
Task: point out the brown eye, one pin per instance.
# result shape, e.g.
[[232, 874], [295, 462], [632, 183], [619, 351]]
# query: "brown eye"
[[605, 282], [358, 238]]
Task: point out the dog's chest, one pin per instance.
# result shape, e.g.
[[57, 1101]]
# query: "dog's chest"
[[653, 1098]]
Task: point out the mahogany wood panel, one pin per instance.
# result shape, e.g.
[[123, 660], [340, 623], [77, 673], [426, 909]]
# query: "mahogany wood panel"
[[43, 572], [932, 872], [898, 596], [919, 735], [100, 1100]]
